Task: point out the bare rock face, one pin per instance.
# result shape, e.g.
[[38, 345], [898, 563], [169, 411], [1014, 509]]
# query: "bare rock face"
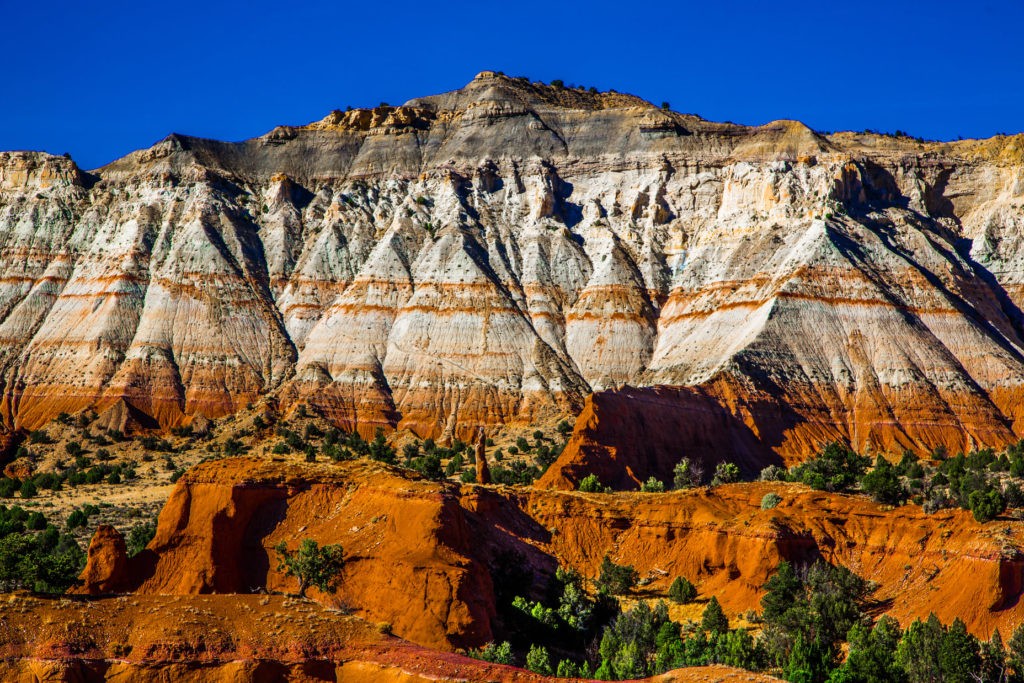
[[106, 570], [493, 255], [483, 471], [429, 557], [628, 435]]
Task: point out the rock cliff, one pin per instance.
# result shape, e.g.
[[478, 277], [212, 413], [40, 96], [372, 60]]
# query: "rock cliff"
[[429, 558], [495, 254]]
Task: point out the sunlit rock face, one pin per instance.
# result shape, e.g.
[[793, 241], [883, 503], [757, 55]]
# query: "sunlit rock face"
[[493, 255]]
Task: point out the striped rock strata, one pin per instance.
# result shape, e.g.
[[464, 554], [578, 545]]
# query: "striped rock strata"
[[495, 254]]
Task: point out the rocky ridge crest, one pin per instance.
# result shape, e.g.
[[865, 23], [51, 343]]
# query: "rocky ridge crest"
[[493, 255]]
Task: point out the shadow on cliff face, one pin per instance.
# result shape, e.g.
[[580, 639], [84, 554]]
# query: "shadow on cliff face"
[[627, 435], [882, 190]]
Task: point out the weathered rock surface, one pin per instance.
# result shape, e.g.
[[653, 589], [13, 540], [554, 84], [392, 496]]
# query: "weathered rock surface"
[[238, 639], [627, 435], [495, 254], [423, 556], [106, 570]]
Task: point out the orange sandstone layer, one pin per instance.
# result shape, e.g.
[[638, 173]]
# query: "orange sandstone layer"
[[421, 555], [236, 638]]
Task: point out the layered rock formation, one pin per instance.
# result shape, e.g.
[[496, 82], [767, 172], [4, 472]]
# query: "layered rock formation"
[[239, 639], [429, 558], [493, 255]]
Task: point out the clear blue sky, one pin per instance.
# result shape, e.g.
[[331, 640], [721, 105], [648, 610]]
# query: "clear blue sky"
[[103, 78]]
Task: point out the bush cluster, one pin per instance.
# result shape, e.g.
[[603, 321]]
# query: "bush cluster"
[[34, 555]]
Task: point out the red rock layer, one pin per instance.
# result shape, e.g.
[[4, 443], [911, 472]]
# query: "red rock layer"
[[420, 555], [238, 639]]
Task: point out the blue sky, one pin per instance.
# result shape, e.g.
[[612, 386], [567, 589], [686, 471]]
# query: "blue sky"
[[101, 79]]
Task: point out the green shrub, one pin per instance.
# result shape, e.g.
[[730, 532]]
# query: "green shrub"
[[429, 465], [233, 446], [770, 500], [39, 436], [36, 521], [492, 652], [773, 473], [653, 485], [28, 489], [45, 562], [836, 468], [883, 483], [616, 579], [77, 519], [687, 474], [682, 591], [986, 506], [591, 484], [516, 473], [538, 661], [725, 473], [139, 537]]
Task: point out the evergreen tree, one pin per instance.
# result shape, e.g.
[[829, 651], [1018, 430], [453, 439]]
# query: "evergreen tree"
[[538, 661], [820, 605], [714, 619], [918, 651], [780, 596], [681, 590], [1016, 654], [697, 650], [994, 659], [872, 654], [670, 648], [959, 654], [616, 578], [629, 661], [809, 661], [883, 483], [986, 505], [736, 648]]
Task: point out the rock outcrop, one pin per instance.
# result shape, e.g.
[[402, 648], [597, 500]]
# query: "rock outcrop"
[[627, 435], [106, 570], [483, 471], [493, 255], [429, 558], [239, 639]]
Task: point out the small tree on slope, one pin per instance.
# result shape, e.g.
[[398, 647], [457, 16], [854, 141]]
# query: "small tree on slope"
[[312, 565]]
